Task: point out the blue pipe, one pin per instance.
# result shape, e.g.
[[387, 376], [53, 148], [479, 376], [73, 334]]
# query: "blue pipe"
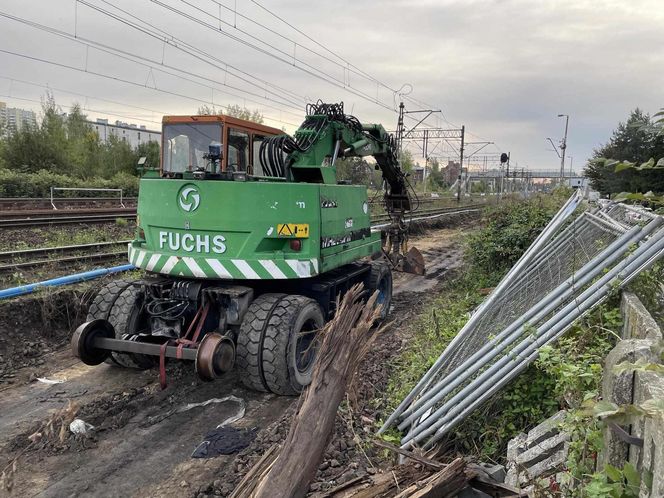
[[69, 279]]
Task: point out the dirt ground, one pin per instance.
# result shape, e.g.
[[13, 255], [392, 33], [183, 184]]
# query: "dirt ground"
[[142, 442]]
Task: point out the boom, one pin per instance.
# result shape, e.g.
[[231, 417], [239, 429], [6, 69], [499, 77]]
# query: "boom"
[[328, 134]]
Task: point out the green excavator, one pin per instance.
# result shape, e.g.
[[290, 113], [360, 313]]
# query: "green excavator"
[[247, 238]]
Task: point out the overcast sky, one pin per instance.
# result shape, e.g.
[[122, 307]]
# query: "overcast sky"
[[503, 68]]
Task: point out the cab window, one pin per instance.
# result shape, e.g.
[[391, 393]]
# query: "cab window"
[[185, 144], [238, 150], [256, 158]]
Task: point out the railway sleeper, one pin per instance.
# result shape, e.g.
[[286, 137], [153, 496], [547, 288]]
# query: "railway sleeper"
[[268, 330]]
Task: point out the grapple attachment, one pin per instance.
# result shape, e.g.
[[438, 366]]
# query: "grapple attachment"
[[413, 262]]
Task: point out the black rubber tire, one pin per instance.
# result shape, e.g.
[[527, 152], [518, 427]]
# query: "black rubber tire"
[[380, 275], [125, 318], [267, 348], [248, 354], [281, 371], [103, 302]]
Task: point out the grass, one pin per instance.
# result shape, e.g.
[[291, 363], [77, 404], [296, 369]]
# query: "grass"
[[64, 236]]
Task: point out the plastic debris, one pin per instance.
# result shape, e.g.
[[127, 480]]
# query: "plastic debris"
[[78, 426], [50, 381], [224, 441]]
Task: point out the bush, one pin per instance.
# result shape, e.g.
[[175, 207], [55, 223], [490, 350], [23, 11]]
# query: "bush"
[[509, 229], [16, 184]]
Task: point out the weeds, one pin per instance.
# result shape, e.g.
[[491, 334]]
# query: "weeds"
[[55, 429]]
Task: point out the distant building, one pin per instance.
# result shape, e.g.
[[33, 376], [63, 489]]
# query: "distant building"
[[417, 173], [131, 133], [13, 119], [577, 182], [451, 172]]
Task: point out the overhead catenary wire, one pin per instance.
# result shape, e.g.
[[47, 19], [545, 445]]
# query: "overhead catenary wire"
[[206, 57], [35, 101], [353, 67], [184, 74], [122, 80], [87, 97], [280, 56]]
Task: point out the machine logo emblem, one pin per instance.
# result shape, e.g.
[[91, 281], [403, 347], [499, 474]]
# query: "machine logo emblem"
[[189, 198]]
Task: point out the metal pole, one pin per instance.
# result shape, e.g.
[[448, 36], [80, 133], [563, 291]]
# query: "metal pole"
[[463, 133], [544, 237], [545, 333], [52, 204], [515, 330], [563, 146]]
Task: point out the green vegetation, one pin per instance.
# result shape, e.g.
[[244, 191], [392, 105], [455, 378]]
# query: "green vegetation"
[[566, 375], [28, 238], [235, 111], [15, 183], [64, 150], [509, 229], [632, 159]]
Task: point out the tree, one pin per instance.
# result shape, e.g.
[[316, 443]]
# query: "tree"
[[435, 178], [632, 142], [357, 171], [406, 161], [234, 111]]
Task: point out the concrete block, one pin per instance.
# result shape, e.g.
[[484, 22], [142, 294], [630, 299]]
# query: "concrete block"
[[653, 457], [547, 467], [619, 388], [638, 323], [540, 453], [647, 385], [541, 450], [514, 447]]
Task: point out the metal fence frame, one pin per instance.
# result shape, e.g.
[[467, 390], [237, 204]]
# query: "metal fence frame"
[[53, 189]]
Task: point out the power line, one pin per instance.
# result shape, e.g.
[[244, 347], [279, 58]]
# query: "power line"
[[349, 64], [131, 57], [122, 80], [346, 66], [91, 97], [290, 60], [134, 118], [169, 39]]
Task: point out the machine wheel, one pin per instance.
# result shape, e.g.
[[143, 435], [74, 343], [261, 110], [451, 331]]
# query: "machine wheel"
[[249, 354], [380, 279], [282, 335], [103, 302], [290, 347], [126, 317]]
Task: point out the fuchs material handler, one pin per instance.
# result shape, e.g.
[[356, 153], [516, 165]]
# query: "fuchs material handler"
[[248, 238]]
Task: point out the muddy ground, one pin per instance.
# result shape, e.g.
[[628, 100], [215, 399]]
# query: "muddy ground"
[[141, 444]]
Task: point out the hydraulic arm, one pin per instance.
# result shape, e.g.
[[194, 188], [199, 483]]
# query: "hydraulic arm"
[[328, 134]]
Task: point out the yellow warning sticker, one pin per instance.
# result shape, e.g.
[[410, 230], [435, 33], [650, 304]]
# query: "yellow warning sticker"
[[300, 230]]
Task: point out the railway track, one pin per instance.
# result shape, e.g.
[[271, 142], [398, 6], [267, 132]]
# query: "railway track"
[[67, 256], [30, 203], [64, 256], [66, 218], [379, 221]]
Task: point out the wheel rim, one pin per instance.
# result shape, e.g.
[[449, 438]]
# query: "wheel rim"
[[305, 348], [382, 291], [384, 296]]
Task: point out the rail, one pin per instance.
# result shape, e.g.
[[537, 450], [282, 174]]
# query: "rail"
[[30, 203], [53, 189], [68, 255], [93, 274], [66, 219]]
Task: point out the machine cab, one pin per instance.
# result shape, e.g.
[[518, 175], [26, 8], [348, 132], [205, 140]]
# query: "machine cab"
[[209, 146]]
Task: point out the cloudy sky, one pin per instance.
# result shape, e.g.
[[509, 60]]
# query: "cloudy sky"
[[503, 68]]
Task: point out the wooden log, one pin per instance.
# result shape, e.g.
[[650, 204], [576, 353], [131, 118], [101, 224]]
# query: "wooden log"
[[443, 484], [409, 454], [345, 340]]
